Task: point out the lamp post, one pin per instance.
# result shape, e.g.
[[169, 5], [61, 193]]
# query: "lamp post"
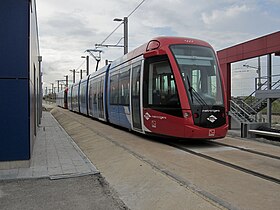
[[87, 63], [66, 79], [74, 72], [81, 73], [125, 26]]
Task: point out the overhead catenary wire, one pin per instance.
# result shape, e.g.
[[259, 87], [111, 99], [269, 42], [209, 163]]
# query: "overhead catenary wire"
[[136, 8], [80, 65], [121, 22], [111, 34]]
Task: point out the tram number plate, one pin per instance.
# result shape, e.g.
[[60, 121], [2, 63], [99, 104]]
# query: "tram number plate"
[[212, 132]]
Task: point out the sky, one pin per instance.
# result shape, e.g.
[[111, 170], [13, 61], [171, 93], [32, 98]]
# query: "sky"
[[69, 27]]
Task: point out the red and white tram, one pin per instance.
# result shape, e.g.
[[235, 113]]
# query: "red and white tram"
[[170, 86]]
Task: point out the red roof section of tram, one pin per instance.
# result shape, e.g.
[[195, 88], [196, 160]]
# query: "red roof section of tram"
[[165, 41]]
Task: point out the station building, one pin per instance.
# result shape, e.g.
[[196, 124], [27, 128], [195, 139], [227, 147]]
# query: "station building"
[[20, 82]]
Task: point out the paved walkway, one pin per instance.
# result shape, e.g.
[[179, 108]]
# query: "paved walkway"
[[55, 155]]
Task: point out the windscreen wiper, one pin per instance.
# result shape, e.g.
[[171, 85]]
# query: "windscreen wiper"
[[195, 94], [199, 98], [190, 88]]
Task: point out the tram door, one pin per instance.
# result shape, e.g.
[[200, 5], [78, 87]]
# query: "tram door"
[[135, 97]]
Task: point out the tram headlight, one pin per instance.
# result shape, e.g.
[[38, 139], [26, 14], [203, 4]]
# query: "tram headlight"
[[187, 114]]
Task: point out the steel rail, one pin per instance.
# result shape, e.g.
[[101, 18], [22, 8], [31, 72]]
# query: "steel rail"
[[248, 150], [239, 168]]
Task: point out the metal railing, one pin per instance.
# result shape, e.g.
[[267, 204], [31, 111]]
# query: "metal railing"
[[240, 113], [275, 82], [246, 110], [258, 104]]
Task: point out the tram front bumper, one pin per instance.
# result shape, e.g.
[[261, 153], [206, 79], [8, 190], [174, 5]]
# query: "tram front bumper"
[[196, 132]]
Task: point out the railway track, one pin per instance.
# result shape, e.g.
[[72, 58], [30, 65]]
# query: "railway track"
[[214, 159], [217, 160], [248, 150], [227, 163]]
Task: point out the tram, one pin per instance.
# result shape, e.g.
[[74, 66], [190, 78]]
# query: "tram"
[[170, 86], [61, 98]]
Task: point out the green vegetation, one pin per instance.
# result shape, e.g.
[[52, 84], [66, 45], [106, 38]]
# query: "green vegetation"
[[275, 108]]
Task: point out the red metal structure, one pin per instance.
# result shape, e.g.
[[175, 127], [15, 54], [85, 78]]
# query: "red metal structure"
[[265, 45]]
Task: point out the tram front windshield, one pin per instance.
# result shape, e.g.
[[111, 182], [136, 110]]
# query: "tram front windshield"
[[200, 74]]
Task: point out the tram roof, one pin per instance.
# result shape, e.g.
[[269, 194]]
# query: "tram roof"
[[163, 41]]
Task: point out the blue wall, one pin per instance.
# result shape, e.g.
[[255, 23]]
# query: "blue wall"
[[14, 24], [14, 80], [14, 125]]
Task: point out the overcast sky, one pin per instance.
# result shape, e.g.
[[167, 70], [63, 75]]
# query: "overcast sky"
[[68, 27]]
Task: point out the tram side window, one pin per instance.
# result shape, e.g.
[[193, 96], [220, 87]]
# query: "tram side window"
[[90, 99], [100, 99], [99, 94], [101, 89], [124, 88], [162, 90], [94, 91], [75, 96], [114, 92], [83, 96]]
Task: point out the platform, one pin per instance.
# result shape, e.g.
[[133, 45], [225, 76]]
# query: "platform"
[[55, 155]]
